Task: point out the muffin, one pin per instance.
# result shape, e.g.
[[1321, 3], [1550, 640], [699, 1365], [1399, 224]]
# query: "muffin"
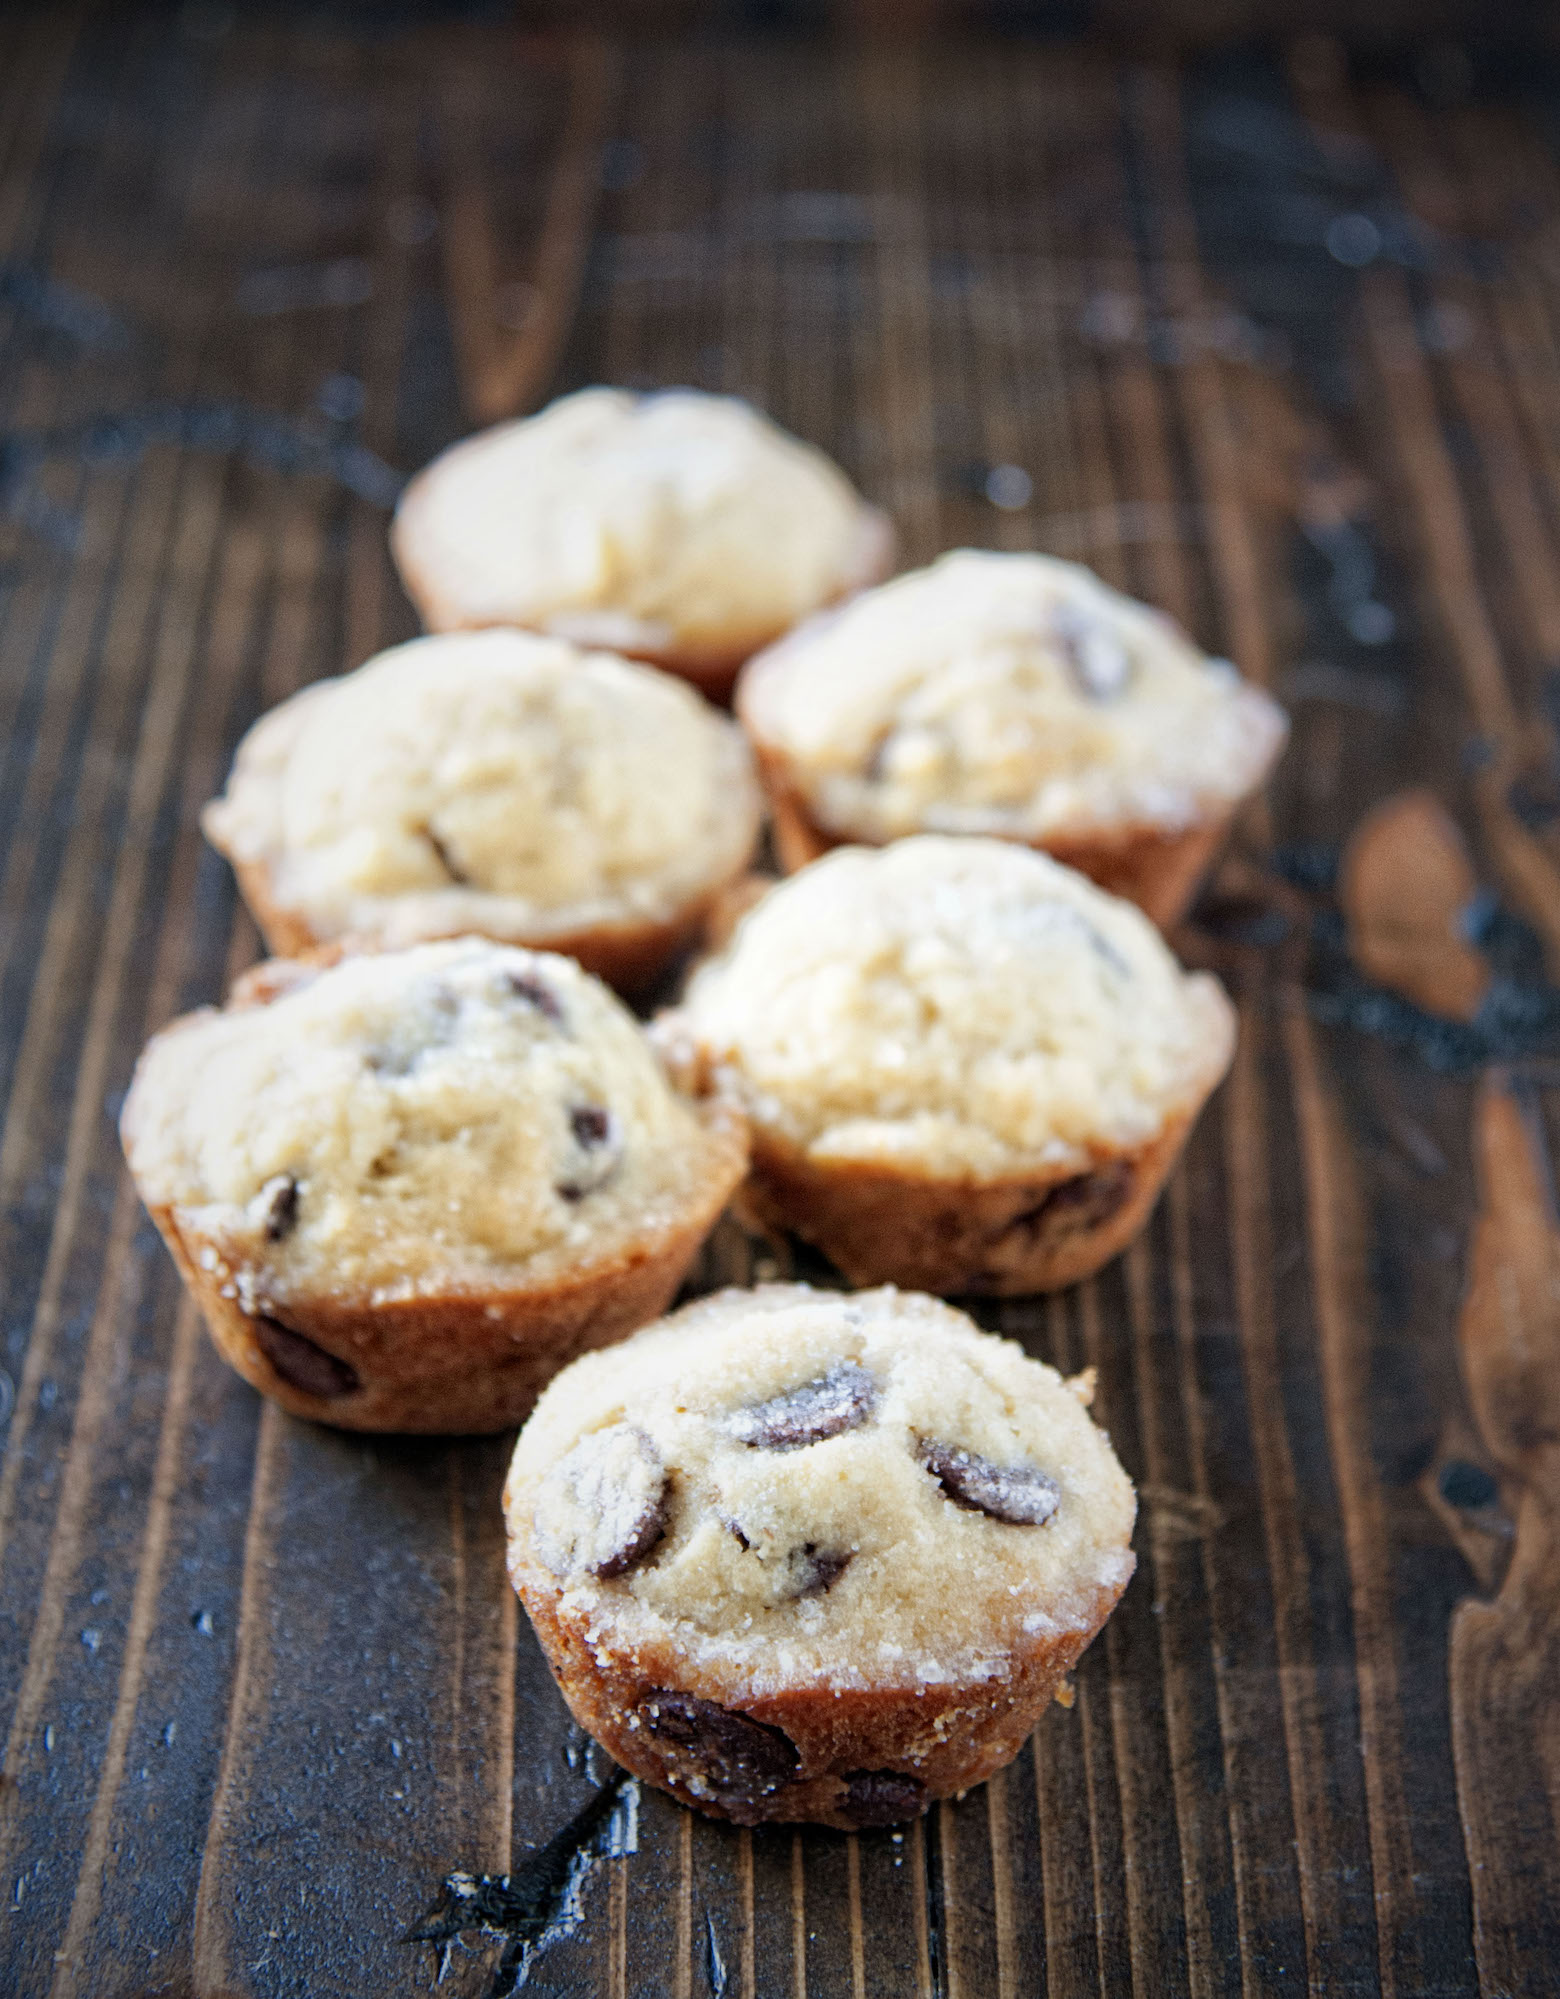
[[1019, 697], [495, 783], [965, 1067], [404, 1190], [794, 1555], [681, 528]]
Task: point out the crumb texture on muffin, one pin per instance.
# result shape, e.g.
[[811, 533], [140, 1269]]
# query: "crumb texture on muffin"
[[647, 523], [789, 1490], [962, 1008], [1009, 694], [489, 781], [458, 1118]]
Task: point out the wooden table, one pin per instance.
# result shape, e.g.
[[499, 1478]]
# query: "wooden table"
[[1273, 345]]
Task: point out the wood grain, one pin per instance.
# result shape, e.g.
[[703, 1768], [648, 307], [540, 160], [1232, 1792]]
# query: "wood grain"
[[1505, 1651], [506, 358], [262, 1687], [1406, 884]]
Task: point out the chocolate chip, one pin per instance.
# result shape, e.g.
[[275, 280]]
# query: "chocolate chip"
[[281, 1216], [595, 1134], [642, 1537], [1104, 950], [299, 1361], [591, 1125], [444, 857], [1077, 1204], [602, 1507], [840, 1400], [534, 993], [1021, 1495], [1096, 658], [1093, 1197], [738, 1759], [816, 1570], [882, 1797]]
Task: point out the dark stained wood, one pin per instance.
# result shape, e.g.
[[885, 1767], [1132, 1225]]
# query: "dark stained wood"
[[508, 333], [1405, 881], [263, 1687], [1503, 1653]]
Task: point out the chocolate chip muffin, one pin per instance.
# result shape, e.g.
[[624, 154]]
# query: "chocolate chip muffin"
[[495, 783], [795, 1555], [680, 528], [966, 1068], [404, 1190], [1019, 697]]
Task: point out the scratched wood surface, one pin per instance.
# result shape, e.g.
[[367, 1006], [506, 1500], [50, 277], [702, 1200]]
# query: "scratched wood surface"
[[1271, 339]]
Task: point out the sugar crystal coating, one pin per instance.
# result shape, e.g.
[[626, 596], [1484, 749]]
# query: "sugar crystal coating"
[[1022, 1495], [968, 1009], [837, 1561], [603, 1507]]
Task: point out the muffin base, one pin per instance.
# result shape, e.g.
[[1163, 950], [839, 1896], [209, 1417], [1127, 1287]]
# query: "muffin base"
[[631, 957], [1002, 1238], [1159, 871], [904, 1746], [712, 665]]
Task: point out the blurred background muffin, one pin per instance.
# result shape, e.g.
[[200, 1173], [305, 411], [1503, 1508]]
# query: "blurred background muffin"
[[679, 527], [1018, 696]]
